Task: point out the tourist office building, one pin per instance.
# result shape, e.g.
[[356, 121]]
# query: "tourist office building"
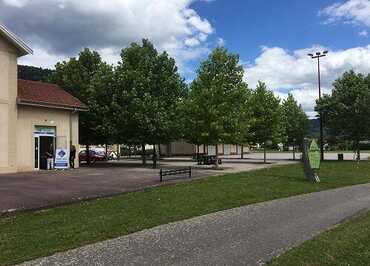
[[35, 117]]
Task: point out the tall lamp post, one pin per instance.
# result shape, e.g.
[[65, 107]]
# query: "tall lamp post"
[[317, 56]]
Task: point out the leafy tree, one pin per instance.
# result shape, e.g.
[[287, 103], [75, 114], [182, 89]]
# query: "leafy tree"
[[216, 107], [346, 111], [102, 105], [149, 90], [245, 134], [267, 114], [296, 122], [78, 76]]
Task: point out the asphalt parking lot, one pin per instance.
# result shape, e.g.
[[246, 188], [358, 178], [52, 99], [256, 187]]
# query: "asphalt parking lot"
[[34, 190]]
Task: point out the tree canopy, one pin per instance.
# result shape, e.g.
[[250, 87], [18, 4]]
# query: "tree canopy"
[[268, 116], [149, 90], [144, 100], [346, 111], [78, 76], [216, 106], [296, 121]]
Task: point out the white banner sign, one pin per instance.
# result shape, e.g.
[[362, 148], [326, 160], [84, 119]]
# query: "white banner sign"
[[61, 159]]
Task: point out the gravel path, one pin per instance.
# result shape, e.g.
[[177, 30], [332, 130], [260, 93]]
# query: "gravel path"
[[249, 235]]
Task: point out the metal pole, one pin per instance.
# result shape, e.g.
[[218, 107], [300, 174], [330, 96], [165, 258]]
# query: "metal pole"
[[321, 122], [314, 56]]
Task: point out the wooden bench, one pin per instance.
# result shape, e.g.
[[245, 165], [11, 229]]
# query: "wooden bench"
[[163, 173]]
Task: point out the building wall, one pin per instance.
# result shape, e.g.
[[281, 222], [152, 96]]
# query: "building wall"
[[233, 149], [177, 149], [8, 107], [181, 148], [29, 117]]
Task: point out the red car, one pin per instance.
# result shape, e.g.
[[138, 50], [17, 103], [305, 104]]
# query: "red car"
[[94, 156]]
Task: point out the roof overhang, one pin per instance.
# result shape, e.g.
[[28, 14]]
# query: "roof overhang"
[[22, 47], [51, 106]]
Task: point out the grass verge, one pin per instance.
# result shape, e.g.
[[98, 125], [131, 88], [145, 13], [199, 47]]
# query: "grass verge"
[[30, 235], [347, 244]]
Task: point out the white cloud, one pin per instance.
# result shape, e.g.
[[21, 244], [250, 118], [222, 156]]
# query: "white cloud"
[[195, 21], [351, 11], [363, 33], [61, 28], [16, 3], [192, 42], [285, 71], [221, 42], [42, 58]]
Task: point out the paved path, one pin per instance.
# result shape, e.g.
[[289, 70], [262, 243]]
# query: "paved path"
[[243, 236]]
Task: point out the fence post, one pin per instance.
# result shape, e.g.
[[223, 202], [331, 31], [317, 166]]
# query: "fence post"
[[189, 171], [160, 174]]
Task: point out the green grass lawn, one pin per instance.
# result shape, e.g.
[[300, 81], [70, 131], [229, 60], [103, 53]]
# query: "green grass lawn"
[[31, 235], [348, 244]]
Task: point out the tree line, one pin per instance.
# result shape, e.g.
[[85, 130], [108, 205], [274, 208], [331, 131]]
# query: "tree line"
[[33, 73], [144, 100]]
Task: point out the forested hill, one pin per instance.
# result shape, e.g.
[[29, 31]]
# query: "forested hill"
[[314, 129], [33, 73]]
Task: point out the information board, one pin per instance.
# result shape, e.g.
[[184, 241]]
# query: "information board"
[[310, 158], [61, 159], [314, 155]]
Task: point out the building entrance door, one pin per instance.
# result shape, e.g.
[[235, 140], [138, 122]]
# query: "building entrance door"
[[44, 138], [46, 146]]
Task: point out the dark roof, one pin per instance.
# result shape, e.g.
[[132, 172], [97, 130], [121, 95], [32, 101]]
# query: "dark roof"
[[46, 95]]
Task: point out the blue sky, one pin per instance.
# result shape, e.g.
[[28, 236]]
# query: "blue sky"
[[246, 25], [272, 37]]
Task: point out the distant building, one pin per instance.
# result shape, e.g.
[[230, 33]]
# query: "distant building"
[[34, 116], [181, 148]]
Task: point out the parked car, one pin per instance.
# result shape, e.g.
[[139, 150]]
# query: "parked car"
[[94, 156]]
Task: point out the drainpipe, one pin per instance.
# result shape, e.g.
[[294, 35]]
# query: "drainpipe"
[[70, 126]]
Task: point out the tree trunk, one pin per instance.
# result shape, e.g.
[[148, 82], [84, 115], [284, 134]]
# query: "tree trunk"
[[106, 151], [242, 152], [216, 156], [204, 149], [358, 152], [154, 157], [118, 152], [143, 154], [293, 151], [88, 154], [264, 153]]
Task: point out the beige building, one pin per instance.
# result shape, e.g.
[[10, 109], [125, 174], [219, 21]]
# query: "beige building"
[[181, 148], [34, 116]]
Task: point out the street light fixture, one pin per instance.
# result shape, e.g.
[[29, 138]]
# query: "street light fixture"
[[317, 56]]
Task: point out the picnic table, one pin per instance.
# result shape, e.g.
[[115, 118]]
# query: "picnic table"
[[204, 159]]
